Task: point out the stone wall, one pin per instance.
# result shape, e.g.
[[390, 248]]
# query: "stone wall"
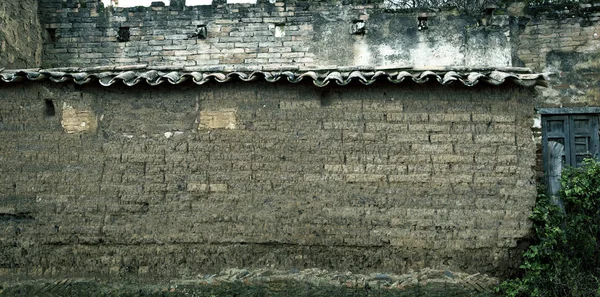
[[288, 33], [20, 34], [173, 181]]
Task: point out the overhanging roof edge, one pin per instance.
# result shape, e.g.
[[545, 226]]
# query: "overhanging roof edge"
[[342, 75]]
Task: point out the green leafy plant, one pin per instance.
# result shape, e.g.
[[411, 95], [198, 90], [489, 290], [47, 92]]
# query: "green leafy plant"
[[564, 259]]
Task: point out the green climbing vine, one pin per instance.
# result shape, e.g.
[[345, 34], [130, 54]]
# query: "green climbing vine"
[[564, 259]]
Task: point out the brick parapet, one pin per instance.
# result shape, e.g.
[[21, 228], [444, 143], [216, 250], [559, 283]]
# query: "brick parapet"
[[236, 34], [299, 33]]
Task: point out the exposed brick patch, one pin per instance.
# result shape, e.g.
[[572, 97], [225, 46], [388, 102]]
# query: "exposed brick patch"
[[222, 119], [78, 121]]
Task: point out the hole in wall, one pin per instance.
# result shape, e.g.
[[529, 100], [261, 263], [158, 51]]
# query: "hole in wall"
[[422, 23], [49, 109], [488, 14], [279, 30], [201, 29], [200, 33], [358, 27], [123, 35], [51, 34], [325, 98]]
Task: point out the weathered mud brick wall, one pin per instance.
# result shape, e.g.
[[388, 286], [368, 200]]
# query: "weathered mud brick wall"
[[20, 34], [180, 180], [289, 33]]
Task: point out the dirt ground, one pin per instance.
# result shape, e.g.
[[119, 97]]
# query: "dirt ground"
[[241, 282]]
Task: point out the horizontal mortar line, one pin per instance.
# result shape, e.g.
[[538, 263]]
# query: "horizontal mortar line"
[[108, 245]]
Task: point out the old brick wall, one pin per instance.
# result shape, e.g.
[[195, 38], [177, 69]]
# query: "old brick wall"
[[565, 41], [288, 33], [20, 34], [174, 181]]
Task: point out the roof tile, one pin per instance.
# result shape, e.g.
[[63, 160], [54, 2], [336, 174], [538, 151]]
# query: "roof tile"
[[134, 74]]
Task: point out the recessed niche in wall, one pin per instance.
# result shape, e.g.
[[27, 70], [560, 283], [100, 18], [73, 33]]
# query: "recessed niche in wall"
[[325, 98], [358, 27], [123, 35], [49, 109], [200, 33], [51, 34], [422, 23]]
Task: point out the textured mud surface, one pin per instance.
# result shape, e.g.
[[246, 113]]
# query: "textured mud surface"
[[242, 282], [20, 35]]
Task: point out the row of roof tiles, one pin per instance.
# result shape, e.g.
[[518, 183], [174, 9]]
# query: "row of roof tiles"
[[135, 74]]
